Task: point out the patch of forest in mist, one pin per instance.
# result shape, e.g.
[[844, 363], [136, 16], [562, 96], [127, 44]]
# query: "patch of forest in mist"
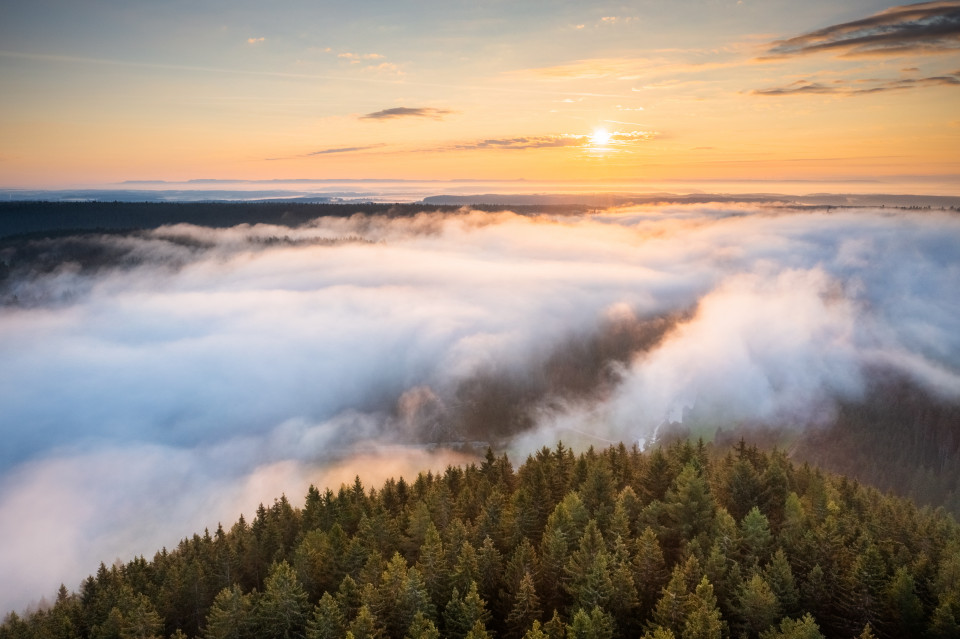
[[684, 541]]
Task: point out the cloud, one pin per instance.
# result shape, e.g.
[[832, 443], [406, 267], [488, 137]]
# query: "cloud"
[[346, 149], [924, 28], [407, 112], [619, 138], [255, 40], [158, 382], [527, 142], [330, 151], [875, 86], [357, 57]]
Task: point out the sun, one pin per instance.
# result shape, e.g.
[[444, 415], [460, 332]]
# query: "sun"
[[600, 137]]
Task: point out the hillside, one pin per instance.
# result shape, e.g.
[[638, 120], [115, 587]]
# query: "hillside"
[[684, 541]]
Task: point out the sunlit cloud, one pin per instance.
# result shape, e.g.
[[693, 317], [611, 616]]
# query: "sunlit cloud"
[[924, 28], [384, 67], [255, 40], [606, 21], [357, 57], [616, 138]]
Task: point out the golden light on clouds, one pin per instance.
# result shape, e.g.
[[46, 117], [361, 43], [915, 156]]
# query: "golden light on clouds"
[[600, 137]]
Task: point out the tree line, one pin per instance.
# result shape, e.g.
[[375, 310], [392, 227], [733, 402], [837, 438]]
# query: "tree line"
[[683, 542]]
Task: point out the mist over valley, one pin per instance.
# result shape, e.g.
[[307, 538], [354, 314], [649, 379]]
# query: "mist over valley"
[[159, 381]]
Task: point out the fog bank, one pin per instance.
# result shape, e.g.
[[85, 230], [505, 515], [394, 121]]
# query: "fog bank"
[[159, 382]]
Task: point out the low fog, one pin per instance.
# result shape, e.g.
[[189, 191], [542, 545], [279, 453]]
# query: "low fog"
[[160, 382]]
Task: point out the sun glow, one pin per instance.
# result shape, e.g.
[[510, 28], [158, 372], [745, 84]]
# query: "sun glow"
[[600, 137]]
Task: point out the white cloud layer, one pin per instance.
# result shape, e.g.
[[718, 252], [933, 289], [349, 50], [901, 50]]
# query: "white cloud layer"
[[221, 368]]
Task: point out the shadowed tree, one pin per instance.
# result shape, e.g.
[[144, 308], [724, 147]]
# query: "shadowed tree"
[[526, 607], [461, 614]]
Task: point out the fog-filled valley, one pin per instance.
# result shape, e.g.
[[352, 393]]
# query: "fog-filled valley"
[[157, 382]]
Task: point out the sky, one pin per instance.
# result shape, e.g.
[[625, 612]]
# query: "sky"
[[99, 92], [187, 374]]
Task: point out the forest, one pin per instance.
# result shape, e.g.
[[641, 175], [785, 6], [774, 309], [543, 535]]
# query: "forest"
[[687, 540]]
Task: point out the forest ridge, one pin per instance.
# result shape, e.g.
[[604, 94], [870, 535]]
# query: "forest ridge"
[[684, 541]]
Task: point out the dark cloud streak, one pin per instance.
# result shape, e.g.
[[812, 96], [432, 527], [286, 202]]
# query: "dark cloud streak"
[[928, 27], [804, 87], [345, 149], [407, 112]]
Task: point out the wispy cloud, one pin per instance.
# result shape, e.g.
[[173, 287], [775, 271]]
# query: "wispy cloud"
[[332, 151], [839, 87], [407, 112], [255, 40], [527, 142], [927, 27], [357, 57], [620, 138], [345, 149]]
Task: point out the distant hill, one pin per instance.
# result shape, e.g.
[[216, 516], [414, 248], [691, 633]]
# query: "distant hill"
[[621, 199]]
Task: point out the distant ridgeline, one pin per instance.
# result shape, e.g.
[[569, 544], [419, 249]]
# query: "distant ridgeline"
[[45, 218], [685, 541]]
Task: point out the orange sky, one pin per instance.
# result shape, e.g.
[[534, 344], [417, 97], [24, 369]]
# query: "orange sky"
[[639, 92]]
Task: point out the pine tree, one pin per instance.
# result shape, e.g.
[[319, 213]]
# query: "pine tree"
[[349, 597], [327, 621], [688, 510], [805, 628], [526, 607], [757, 607], [422, 627], [596, 625], [535, 632], [478, 631], [703, 619], [589, 583], [904, 605], [365, 625], [671, 610], [461, 614], [943, 623], [756, 539], [433, 567], [141, 620], [283, 608], [649, 571], [466, 570], [779, 576], [230, 617], [555, 628]]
